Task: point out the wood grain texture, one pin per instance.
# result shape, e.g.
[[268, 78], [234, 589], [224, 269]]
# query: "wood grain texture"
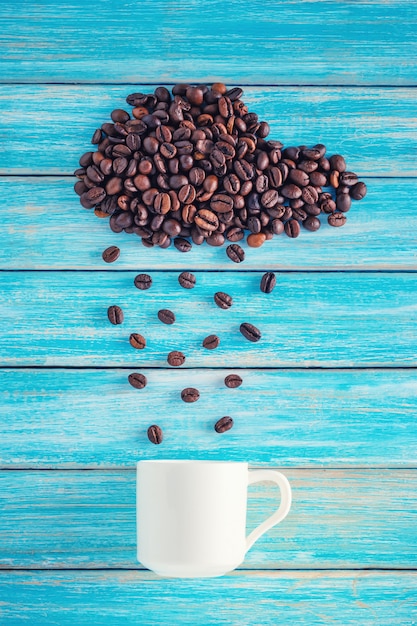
[[251, 598], [338, 42], [374, 128], [44, 227], [94, 418], [51, 520], [310, 319]]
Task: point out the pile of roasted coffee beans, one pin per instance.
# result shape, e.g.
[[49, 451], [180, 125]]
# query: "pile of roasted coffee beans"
[[176, 358], [195, 165]]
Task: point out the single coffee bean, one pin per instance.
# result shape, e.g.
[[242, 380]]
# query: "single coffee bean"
[[207, 220], [338, 163], [268, 282], [155, 434], [176, 358], [182, 244], [309, 194], [138, 381], [137, 341], [223, 424], [221, 203], [358, 191], [256, 240], [187, 280], [312, 223], [111, 254], [223, 300], [190, 394], [166, 316], [143, 281], [343, 202], [250, 332], [334, 178], [291, 191], [347, 178], [277, 226], [235, 253], [292, 228], [337, 219], [299, 177], [233, 381], [115, 315], [211, 342]]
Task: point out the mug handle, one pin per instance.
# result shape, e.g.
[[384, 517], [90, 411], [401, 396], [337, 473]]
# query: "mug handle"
[[256, 476]]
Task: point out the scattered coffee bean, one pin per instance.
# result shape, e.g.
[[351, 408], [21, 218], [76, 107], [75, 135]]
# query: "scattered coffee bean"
[[233, 381], [138, 381], [155, 434], [223, 300], [137, 341], [223, 424], [337, 219], [211, 342], [143, 281], [182, 244], [268, 282], [190, 394], [235, 253], [187, 280], [358, 191], [166, 316], [250, 332], [115, 315], [111, 254], [176, 358]]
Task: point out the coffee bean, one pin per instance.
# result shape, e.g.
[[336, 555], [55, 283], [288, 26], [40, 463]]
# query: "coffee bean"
[[223, 300], [348, 178], [211, 342], [235, 253], [187, 280], [190, 394], [334, 178], [111, 254], [138, 381], [166, 316], [291, 191], [256, 240], [292, 228], [155, 434], [343, 202], [299, 177], [312, 223], [309, 194], [207, 220], [337, 162], [176, 358], [115, 315], [268, 282], [358, 191], [232, 381], [143, 281], [137, 341], [337, 219], [250, 332], [223, 424], [221, 203], [182, 244]]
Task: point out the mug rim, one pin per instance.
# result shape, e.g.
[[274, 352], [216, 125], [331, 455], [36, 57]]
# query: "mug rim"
[[190, 461]]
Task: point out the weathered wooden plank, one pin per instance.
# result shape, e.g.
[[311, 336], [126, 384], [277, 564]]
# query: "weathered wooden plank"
[[248, 598], [301, 418], [366, 42], [45, 128], [310, 319], [44, 227], [339, 519]]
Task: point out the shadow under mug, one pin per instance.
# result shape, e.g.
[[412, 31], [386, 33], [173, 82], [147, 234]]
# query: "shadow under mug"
[[191, 515]]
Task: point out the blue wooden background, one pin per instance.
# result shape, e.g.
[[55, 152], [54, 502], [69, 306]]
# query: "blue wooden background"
[[332, 396]]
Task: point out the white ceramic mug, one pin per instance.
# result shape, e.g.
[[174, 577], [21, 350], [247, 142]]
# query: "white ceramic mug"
[[191, 515]]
